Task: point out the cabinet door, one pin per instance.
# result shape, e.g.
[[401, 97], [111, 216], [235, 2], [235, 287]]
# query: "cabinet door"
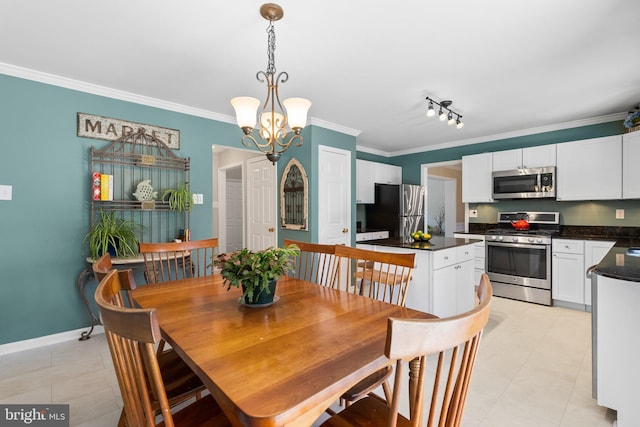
[[507, 160], [365, 188], [539, 157], [445, 291], [476, 178], [630, 169], [594, 252], [590, 169], [387, 174], [465, 286], [567, 277]]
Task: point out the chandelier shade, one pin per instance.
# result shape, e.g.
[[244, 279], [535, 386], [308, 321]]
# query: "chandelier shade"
[[279, 123]]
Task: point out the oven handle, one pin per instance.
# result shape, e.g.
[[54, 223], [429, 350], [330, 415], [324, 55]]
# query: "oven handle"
[[519, 245]]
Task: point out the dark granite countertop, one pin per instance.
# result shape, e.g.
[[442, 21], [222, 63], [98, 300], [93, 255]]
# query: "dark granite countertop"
[[617, 264], [436, 243]]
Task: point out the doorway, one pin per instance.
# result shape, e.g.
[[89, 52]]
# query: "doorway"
[[444, 210], [230, 213]]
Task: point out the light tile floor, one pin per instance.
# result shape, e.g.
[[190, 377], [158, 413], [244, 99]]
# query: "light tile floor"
[[533, 369]]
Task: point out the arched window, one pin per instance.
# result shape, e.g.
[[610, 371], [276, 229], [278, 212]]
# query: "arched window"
[[294, 190]]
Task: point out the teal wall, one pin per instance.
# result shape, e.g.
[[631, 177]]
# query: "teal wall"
[[411, 163], [41, 229]]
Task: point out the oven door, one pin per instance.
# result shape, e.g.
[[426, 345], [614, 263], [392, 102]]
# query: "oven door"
[[519, 264]]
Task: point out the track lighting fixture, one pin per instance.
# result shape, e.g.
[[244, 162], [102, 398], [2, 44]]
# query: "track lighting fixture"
[[444, 113]]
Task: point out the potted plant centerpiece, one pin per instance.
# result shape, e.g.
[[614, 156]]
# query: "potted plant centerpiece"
[[114, 235], [256, 272]]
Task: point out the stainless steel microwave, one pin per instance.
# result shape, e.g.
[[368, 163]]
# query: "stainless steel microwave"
[[531, 183]]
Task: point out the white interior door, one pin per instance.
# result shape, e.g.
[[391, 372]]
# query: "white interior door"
[[234, 216], [334, 196], [261, 203]]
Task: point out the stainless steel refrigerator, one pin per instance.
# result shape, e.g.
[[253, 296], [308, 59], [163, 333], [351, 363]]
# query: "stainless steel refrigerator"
[[397, 208]]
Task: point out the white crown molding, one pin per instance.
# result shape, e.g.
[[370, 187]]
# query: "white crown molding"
[[515, 134], [334, 126], [14, 347], [38, 76], [364, 149]]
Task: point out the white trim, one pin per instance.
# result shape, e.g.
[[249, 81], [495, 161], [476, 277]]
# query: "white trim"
[[52, 79], [372, 151], [14, 347], [334, 126], [515, 134]]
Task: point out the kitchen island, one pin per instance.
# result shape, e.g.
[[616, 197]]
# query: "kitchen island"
[[443, 280], [615, 326]]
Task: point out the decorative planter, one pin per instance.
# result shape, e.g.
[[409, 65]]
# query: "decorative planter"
[[263, 298]]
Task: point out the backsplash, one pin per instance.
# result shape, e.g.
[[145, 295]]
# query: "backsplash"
[[586, 213]]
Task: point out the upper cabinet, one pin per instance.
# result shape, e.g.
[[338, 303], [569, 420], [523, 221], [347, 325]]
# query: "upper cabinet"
[[476, 178], [365, 191], [368, 173], [521, 158], [630, 169], [387, 174], [589, 169]]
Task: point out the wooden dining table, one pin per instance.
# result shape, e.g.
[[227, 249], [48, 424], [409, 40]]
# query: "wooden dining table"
[[280, 365]]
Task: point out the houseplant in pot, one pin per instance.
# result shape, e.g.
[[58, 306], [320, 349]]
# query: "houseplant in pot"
[[114, 235], [179, 199], [256, 272]]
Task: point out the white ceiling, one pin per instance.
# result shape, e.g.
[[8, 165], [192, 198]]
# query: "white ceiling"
[[510, 67]]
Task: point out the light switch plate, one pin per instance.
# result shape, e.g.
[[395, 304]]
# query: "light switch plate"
[[619, 213], [6, 192], [473, 213], [197, 199]]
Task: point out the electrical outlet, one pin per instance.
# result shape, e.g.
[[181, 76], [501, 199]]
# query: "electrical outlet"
[[197, 199], [619, 213], [473, 213]]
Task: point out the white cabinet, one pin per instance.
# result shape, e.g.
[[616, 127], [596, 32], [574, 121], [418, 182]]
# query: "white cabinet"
[[365, 189], [369, 173], [453, 288], [479, 250], [530, 157], [594, 252], [476, 178], [630, 162], [567, 271], [387, 174], [372, 235], [589, 169]]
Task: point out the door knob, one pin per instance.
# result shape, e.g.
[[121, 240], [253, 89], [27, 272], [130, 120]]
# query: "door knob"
[[345, 230], [271, 229]]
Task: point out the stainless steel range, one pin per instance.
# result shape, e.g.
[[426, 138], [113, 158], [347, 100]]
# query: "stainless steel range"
[[518, 255]]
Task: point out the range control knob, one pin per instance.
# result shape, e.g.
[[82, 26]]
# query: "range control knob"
[[494, 237], [538, 240], [500, 238], [530, 239], [514, 238]]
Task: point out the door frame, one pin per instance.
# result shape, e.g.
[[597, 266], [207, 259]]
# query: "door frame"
[[424, 178], [221, 205]]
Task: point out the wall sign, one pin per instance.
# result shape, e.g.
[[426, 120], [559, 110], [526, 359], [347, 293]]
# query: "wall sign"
[[98, 127]]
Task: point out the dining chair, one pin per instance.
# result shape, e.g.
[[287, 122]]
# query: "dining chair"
[[181, 382], [132, 334], [316, 262], [455, 341], [164, 262], [381, 275]]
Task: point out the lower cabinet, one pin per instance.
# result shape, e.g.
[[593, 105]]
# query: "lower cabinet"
[[567, 271], [452, 279], [570, 261]]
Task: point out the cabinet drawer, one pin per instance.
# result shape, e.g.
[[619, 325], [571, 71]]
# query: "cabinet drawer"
[[444, 258], [464, 253], [568, 246], [479, 250]]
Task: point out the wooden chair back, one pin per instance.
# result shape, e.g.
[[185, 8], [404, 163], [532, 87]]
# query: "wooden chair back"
[[132, 335], [380, 275], [164, 262], [102, 266], [316, 262], [455, 341]]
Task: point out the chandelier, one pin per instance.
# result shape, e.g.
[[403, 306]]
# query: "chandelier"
[[278, 127], [445, 113]]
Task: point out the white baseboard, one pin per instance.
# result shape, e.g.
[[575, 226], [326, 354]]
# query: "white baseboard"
[[14, 347]]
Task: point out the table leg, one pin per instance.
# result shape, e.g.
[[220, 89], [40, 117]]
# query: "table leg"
[[83, 279]]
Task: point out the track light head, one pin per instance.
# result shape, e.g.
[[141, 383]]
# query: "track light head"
[[445, 112]]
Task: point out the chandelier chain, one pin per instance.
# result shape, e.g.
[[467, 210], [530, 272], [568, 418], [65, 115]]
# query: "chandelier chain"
[[271, 47]]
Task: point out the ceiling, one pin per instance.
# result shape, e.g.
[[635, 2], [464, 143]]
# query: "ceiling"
[[510, 67]]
